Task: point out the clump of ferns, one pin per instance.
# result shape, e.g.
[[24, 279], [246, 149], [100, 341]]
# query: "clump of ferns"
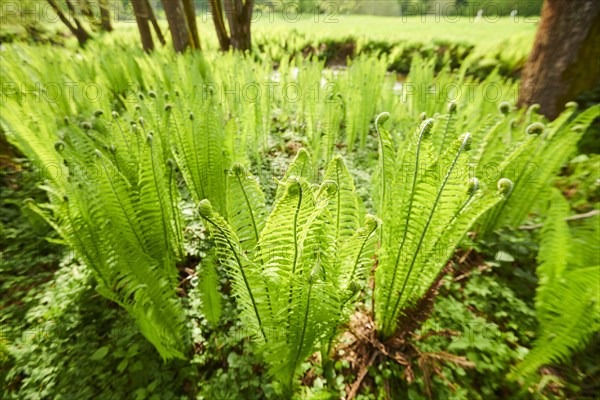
[[296, 270], [427, 205], [567, 300], [199, 144], [115, 202], [401, 354], [534, 162]]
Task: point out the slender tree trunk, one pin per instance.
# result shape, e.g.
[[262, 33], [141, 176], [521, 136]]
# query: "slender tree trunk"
[[84, 6], [142, 15], [565, 60], [239, 17], [190, 15], [105, 23], [216, 10], [79, 26], [178, 26], [101, 20], [157, 30], [77, 30]]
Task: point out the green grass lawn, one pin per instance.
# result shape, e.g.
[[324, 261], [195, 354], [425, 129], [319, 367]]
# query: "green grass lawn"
[[372, 28], [422, 29]]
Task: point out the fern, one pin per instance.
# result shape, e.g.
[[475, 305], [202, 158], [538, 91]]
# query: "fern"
[[427, 205], [361, 91], [295, 279], [567, 298], [199, 150], [245, 207], [208, 286], [532, 164], [115, 202], [343, 206]]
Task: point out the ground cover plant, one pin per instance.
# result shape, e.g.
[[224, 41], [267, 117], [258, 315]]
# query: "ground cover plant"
[[300, 221]]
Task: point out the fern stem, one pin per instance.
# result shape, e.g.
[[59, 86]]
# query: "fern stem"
[[184, 154], [251, 212], [174, 210], [124, 137], [310, 285], [383, 170], [571, 218], [197, 166], [295, 232], [445, 133], [362, 246], [339, 203], [162, 211]]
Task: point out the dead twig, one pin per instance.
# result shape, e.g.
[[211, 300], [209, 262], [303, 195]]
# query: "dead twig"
[[361, 375], [481, 268], [568, 219]]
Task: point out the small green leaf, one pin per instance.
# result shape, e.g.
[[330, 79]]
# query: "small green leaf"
[[133, 350], [141, 393], [122, 365], [504, 256], [100, 353]]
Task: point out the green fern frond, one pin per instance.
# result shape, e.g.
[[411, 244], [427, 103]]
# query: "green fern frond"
[[245, 207], [200, 153], [568, 297], [249, 287], [387, 156], [301, 166], [208, 287], [356, 257], [343, 206]]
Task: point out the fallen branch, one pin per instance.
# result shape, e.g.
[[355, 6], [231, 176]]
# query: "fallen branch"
[[568, 219]]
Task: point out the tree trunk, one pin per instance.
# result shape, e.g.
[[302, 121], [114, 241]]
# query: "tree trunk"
[[105, 23], [190, 15], [239, 16], [84, 6], [178, 26], [565, 60], [102, 19], [78, 30], [217, 15], [152, 17], [142, 14]]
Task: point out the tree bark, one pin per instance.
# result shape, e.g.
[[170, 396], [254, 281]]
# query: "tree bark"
[[152, 17], [87, 11], [102, 19], [565, 60], [78, 30], [216, 10], [239, 16], [190, 15], [178, 25], [105, 23], [142, 15]]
